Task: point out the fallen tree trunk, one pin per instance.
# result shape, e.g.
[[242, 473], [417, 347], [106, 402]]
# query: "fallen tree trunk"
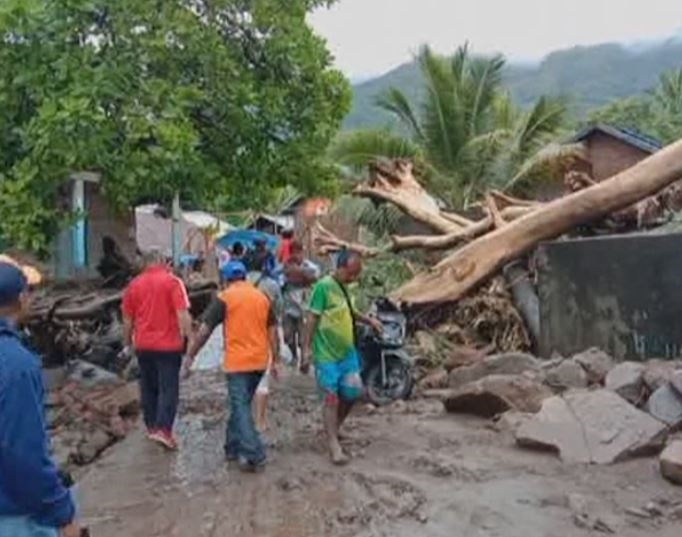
[[464, 269]]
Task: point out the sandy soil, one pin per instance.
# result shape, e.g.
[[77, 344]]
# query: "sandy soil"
[[415, 471]]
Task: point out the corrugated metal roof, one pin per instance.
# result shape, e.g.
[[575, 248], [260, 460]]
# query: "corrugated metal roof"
[[629, 136]]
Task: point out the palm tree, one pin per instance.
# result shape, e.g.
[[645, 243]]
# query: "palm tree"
[[466, 134]]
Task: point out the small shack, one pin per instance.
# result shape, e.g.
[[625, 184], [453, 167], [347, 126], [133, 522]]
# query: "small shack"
[[610, 150], [154, 230], [78, 249]]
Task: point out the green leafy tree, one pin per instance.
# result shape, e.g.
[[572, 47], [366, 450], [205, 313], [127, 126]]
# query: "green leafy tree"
[[465, 134], [222, 100]]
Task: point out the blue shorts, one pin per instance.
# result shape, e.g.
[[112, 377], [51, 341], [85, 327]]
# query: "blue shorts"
[[341, 378]]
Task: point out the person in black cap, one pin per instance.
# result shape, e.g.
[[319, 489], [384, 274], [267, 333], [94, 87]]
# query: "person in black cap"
[[33, 500]]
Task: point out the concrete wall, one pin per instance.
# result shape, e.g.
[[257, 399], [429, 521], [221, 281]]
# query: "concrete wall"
[[609, 156], [621, 293]]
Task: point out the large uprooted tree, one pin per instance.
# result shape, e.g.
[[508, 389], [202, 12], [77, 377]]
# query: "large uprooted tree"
[[510, 228], [220, 99]]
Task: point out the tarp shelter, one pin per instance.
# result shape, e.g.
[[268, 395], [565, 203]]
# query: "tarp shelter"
[[248, 238], [154, 229]]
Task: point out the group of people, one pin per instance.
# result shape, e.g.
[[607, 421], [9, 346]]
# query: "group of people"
[[160, 332]]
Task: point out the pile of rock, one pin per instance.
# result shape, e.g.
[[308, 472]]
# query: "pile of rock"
[[586, 408], [90, 411]]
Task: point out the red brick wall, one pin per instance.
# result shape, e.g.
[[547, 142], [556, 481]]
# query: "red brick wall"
[[610, 156]]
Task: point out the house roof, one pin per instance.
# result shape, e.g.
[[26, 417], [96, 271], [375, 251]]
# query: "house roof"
[[629, 136], [282, 221]]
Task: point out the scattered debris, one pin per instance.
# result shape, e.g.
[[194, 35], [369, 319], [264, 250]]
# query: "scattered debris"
[[86, 418], [485, 318], [83, 321], [592, 427], [671, 462], [627, 380], [586, 516], [495, 394], [665, 404]]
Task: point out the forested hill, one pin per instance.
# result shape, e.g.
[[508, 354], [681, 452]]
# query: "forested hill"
[[590, 76]]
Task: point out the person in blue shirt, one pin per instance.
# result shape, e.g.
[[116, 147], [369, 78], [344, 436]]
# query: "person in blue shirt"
[[33, 500]]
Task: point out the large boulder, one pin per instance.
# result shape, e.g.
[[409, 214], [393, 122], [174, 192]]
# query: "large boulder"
[[513, 363], [627, 380], [568, 374], [495, 394], [671, 462], [596, 364], [666, 405], [592, 427]]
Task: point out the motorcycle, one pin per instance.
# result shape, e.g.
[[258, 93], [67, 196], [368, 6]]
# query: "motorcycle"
[[386, 367]]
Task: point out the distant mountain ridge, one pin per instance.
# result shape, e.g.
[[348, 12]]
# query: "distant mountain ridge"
[[589, 76]]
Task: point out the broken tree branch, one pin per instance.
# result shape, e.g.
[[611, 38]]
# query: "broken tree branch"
[[464, 269], [450, 240], [326, 242], [494, 212], [395, 183]]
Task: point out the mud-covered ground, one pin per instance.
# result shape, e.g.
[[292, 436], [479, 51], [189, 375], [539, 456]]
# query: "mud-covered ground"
[[415, 471]]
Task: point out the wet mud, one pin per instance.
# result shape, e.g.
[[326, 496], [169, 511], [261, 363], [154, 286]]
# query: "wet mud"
[[415, 471]]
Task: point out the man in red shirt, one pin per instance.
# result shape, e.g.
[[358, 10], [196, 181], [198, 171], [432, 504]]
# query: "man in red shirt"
[[156, 323]]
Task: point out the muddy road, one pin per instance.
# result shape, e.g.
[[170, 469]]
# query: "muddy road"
[[415, 471]]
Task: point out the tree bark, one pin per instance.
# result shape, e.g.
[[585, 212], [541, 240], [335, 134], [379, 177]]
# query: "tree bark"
[[464, 269]]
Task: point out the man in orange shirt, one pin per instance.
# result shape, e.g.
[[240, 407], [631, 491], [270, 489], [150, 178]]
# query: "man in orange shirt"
[[156, 321], [251, 340]]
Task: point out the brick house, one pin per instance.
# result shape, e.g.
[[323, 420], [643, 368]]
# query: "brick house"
[[610, 150], [606, 151]]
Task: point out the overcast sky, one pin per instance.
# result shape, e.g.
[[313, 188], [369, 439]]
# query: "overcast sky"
[[369, 37]]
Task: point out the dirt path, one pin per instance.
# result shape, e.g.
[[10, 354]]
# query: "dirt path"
[[416, 471]]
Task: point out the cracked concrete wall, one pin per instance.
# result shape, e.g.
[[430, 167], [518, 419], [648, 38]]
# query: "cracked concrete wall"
[[620, 293]]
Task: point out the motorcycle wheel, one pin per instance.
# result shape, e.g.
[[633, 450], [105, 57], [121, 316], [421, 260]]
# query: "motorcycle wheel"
[[399, 382]]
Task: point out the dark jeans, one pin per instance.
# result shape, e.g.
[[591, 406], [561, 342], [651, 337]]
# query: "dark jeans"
[[159, 387], [241, 439]]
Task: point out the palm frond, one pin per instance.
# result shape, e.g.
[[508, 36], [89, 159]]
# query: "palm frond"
[[395, 102], [543, 120], [548, 163], [358, 148], [381, 220], [486, 78], [441, 123]]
